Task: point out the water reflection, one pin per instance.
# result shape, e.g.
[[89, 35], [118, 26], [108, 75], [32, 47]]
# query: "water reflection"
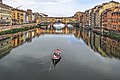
[[5, 47], [55, 62], [59, 25], [105, 46]]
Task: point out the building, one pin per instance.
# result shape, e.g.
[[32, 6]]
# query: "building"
[[25, 17], [33, 17], [101, 18], [85, 19], [5, 14], [18, 16], [106, 19], [79, 17], [111, 19], [90, 12], [29, 15], [115, 19], [37, 17], [91, 17], [43, 15], [95, 14], [106, 6], [97, 17]]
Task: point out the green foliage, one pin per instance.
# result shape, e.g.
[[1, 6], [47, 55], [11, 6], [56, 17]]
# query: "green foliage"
[[15, 30], [114, 36]]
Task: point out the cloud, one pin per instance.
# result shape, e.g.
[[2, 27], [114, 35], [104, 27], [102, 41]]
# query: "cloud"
[[40, 1], [50, 7], [56, 7], [53, 1]]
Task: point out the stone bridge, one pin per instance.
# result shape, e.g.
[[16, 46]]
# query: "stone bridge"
[[50, 21]]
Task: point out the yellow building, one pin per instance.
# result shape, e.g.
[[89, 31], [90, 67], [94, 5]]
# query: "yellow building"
[[17, 16]]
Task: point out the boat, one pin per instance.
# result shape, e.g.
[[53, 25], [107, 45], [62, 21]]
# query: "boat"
[[56, 54]]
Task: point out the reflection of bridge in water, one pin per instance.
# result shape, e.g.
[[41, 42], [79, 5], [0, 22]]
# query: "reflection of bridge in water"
[[61, 31]]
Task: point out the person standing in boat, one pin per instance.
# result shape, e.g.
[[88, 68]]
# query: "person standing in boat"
[[58, 51]]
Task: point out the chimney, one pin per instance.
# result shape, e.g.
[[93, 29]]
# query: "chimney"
[[0, 1]]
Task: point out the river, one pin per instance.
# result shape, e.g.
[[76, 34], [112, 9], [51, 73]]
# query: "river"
[[85, 56]]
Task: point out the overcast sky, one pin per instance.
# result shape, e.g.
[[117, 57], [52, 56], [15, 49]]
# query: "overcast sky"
[[56, 7]]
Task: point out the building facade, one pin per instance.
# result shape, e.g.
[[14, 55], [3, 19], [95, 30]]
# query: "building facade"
[[115, 19], [111, 19], [29, 15], [106, 19], [18, 16], [99, 16], [79, 17], [5, 14], [37, 17]]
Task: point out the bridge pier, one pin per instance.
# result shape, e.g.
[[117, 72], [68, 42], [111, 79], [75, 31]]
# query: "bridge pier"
[[66, 25], [51, 25]]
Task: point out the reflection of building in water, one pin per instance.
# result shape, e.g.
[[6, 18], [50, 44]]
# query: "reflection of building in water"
[[107, 47], [111, 47], [5, 46], [22, 37], [29, 37], [17, 40], [77, 33]]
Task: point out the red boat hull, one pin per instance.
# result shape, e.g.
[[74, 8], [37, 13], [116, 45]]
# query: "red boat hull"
[[56, 54]]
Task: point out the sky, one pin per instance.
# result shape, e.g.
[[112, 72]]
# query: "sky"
[[59, 8]]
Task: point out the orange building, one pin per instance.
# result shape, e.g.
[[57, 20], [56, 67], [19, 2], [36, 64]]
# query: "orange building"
[[116, 19], [111, 19], [106, 19]]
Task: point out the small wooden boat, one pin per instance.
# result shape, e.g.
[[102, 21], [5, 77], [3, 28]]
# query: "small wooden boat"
[[56, 54]]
